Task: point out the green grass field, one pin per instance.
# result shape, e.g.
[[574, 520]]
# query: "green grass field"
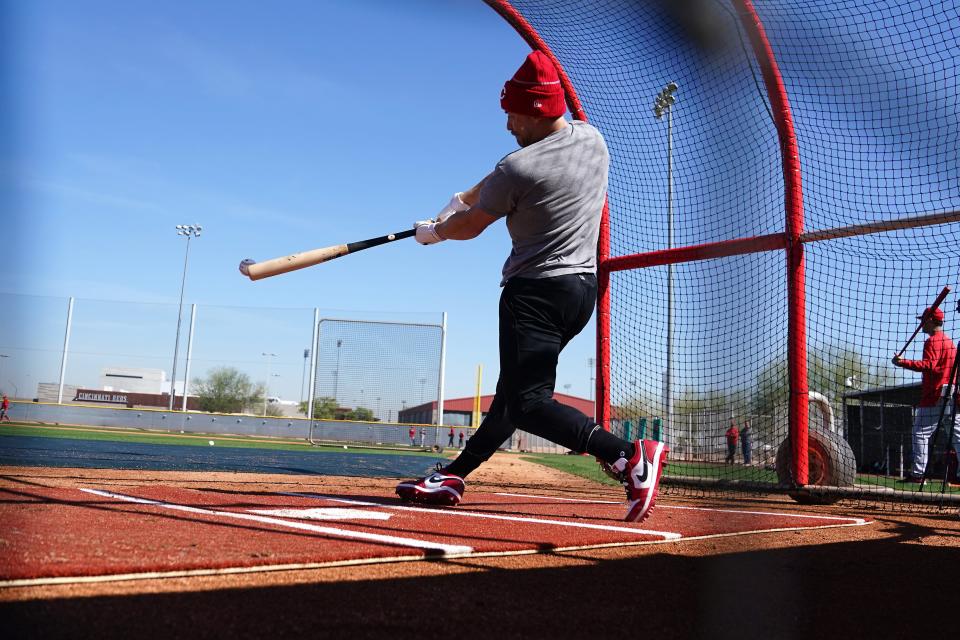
[[583, 466], [587, 467]]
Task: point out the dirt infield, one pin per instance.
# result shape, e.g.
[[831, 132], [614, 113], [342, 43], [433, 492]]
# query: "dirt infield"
[[882, 580]]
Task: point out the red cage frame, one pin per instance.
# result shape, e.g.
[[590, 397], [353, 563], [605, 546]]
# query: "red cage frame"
[[790, 241]]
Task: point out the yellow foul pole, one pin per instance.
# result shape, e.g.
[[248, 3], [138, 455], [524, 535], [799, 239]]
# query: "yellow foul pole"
[[476, 398]]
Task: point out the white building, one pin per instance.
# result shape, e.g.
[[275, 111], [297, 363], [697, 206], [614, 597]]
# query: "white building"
[[137, 380]]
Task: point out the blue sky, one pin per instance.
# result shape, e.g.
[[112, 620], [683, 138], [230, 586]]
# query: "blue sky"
[[278, 127]]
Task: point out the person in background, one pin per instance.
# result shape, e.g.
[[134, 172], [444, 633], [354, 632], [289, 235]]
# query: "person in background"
[[746, 436], [413, 437], [935, 367], [461, 439], [450, 438], [733, 435], [4, 407]]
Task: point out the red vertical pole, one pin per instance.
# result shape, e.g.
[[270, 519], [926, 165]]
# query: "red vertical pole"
[[602, 395], [793, 195]]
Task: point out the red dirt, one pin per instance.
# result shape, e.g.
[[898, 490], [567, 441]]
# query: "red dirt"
[[885, 580]]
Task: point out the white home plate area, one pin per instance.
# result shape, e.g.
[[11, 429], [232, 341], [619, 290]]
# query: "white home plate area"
[[86, 534]]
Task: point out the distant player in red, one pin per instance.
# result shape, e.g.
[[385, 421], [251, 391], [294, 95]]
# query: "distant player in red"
[[461, 439], [413, 437], [733, 434], [4, 407], [450, 438], [938, 354]]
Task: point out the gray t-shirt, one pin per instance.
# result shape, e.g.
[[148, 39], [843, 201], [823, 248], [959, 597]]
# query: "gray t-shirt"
[[552, 194]]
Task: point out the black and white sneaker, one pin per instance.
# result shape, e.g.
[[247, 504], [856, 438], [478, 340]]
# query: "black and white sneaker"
[[437, 488]]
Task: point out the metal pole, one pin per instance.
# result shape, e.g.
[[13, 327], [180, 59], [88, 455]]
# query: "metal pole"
[[188, 230], [303, 374], [186, 373], [66, 350], [313, 370], [443, 366], [664, 104], [176, 342], [669, 385], [336, 377], [266, 390]]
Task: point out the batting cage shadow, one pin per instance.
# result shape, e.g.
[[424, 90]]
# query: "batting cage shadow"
[[849, 589]]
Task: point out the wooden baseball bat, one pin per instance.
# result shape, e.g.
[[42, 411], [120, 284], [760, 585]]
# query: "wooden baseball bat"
[[257, 270], [933, 307]]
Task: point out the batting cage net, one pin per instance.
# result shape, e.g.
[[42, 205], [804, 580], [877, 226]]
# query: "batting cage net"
[[367, 373], [783, 203]]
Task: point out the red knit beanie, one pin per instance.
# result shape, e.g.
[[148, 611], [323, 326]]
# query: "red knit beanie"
[[535, 89]]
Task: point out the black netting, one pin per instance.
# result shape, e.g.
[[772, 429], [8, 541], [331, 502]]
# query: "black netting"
[[873, 94]]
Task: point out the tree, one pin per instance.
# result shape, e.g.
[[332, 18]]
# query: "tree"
[[360, 413], [274, 410], [227, 390], [831, 370], [323, 408], [711, 401]]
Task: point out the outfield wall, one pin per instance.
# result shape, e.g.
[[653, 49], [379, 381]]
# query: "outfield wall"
[[376, 433]]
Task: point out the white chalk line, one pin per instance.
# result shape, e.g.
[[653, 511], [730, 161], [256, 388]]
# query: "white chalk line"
[[667, 535], [308, 566], [852, 520], [332, 531]]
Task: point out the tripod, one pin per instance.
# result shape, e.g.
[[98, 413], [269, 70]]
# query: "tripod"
[[949, 399]]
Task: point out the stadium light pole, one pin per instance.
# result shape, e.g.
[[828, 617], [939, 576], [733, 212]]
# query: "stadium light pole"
[[336, 375], [663, 104], [189, 231], [303, 376], [266, 390]]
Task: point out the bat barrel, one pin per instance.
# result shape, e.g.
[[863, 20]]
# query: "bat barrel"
[[286, 264]]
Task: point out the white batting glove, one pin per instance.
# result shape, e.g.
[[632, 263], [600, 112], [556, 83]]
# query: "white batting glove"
[[455, 205], [427, 232]]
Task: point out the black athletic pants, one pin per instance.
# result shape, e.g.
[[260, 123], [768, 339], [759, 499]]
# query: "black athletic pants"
[[538, 317]]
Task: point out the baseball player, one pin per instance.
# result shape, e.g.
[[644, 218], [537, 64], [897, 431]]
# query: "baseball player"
[[4, 407], [935, 367], [550, 193]]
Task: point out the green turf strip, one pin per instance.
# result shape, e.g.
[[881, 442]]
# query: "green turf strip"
[[194, 440], [587, 467]]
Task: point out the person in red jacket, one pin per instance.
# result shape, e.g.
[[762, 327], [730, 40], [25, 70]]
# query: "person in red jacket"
[[733, 434], [4, 407], [935, 367]]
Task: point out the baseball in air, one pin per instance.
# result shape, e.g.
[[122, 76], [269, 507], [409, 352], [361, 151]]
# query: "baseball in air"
[[246, 262], [391, 237], [211, 443]]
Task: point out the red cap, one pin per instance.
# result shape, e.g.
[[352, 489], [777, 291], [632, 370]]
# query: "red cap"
[[936, 314], [535, 89]]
